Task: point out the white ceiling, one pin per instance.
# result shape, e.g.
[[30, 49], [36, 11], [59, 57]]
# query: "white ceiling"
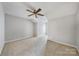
[[51, 10], [56, 9]]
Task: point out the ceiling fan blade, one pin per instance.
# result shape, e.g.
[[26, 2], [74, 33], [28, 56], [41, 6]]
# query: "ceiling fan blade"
[[30, 14], [38, 10], [29, 10], [40, 14]]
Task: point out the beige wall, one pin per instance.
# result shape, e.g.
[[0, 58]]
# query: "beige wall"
[[17, 28], [1, 27], [77, 27], [62, 30]]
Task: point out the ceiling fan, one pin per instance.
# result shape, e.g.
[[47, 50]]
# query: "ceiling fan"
[[35, 12]]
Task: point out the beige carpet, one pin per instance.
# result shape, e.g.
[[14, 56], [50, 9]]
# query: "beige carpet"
[[56, 49], [22, 48]]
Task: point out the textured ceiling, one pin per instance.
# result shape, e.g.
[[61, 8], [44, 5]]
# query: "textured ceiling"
[[56, 9], [51, 10]]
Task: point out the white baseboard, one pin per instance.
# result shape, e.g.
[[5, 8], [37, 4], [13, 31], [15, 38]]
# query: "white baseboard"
[[48, 39], [77, 49], [17, 39], [1, 48], [63, 43], [24, 38]]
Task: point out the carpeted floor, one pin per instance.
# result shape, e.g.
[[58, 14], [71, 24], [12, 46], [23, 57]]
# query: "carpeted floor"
[[23, 48], [57, 49]]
